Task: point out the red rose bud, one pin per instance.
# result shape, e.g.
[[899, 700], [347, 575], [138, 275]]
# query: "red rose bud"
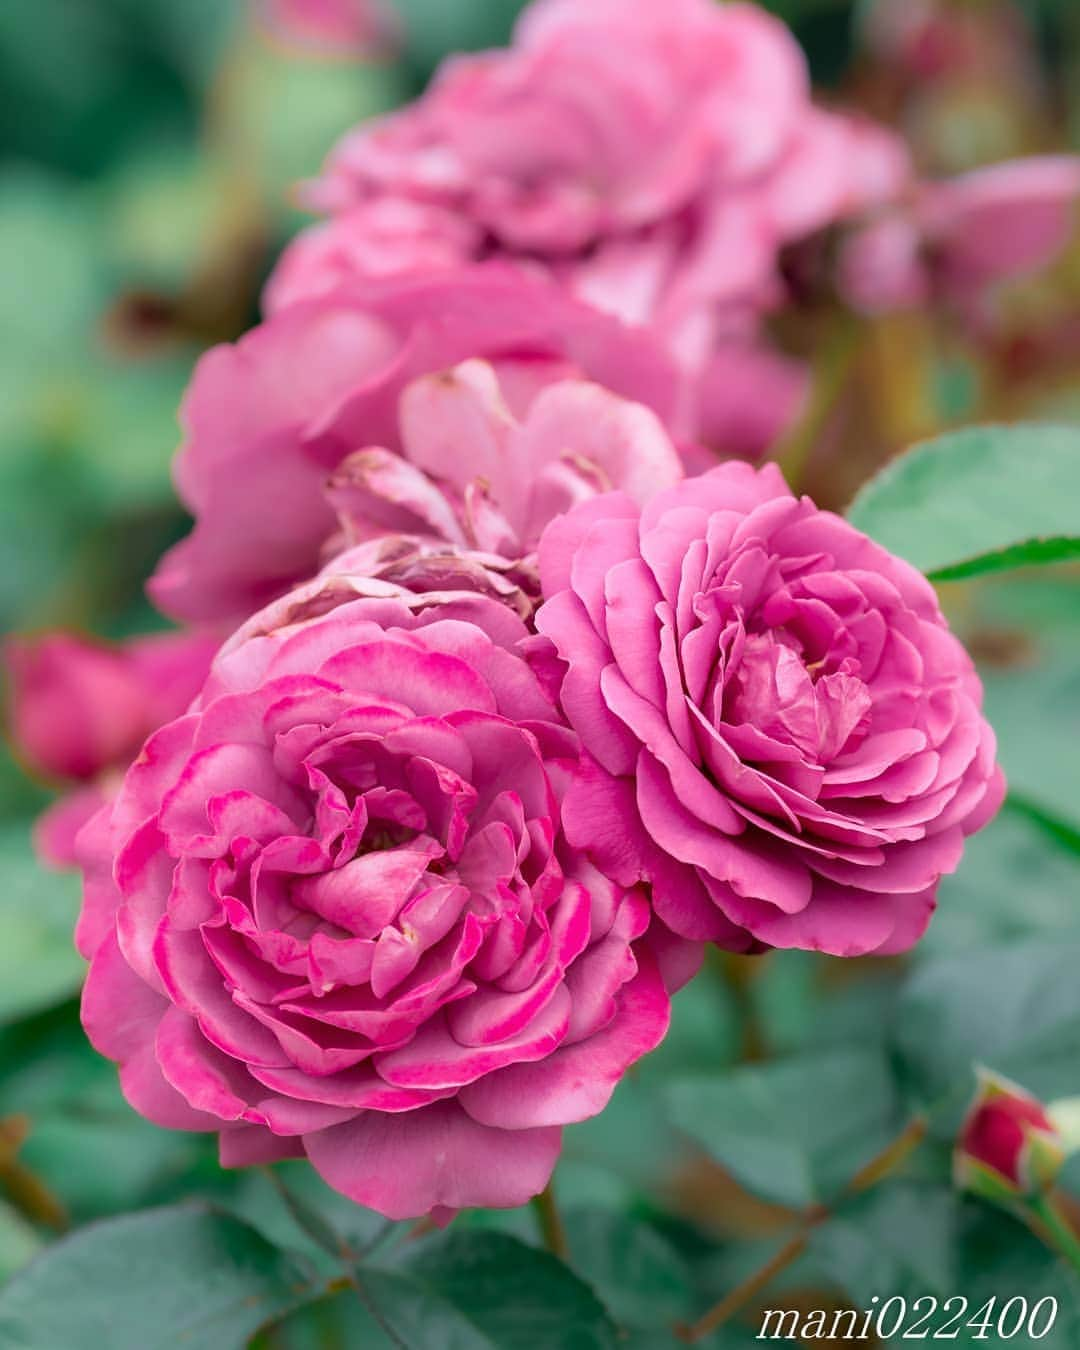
[[1008, 1146]]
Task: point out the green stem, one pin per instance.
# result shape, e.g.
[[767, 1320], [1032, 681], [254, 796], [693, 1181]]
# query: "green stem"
[[832, 367], [882, 1165], [550, 1221], [1060, 1231]]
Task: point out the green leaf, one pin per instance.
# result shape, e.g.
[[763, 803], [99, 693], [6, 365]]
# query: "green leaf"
[[152, 1281], [634, 1268], [914, 1241], [1014, 1008], [514, 1296], [978, 500], [38, 963], [897, 1239], [1015, 882], [793, 1131], [18, 1241]]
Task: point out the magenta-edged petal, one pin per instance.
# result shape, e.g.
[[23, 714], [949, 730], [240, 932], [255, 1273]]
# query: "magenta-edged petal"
[[599, 815], [837, 920], [147, 1090], [364, 896], [435, 1059], [120, 1012], [751, 866], [406, 1165], [427, 682], [358, 1089], [577, 1081], [563, 619], [685, 902], [208, 1080]]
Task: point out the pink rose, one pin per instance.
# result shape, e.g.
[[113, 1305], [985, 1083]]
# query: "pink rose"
[[80, 710], [964, 236], [1008, 1146], [333, 27], [652, 158], [783, 737], [373, 239], [310, 418], [331, 911]]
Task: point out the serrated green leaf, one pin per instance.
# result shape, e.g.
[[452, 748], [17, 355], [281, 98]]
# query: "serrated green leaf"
[[978, 500], [516, 1297], [152, 1281], [640, 1276]]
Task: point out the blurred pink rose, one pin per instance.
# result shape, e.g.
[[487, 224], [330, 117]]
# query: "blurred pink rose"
[[346, 27], [782, 735], [653, 158], [311, 432], [331, 911], [964, 236], [80, 710]]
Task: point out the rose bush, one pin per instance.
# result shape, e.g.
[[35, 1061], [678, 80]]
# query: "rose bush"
[[332, 910], [654, 159], [299, 419], [782, 735]]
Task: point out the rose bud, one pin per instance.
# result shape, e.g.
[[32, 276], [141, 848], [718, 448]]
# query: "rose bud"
[[1008, 1146]]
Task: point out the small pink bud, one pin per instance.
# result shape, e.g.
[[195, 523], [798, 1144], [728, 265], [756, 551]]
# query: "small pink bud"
[[1008, 1146]]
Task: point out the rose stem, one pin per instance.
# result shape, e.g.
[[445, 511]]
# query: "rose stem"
[[832, 367], [1060, 1231], [550, 1222], [27, 1193], [874, 1171]]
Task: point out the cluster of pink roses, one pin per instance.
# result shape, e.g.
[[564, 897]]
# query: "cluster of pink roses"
[[519, 713]]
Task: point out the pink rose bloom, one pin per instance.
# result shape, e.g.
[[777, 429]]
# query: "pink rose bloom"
[[964, 236], [331, 27], [331, 911], [316, 430], [782, 735], [374, 239], [79, 711], [654, 159]]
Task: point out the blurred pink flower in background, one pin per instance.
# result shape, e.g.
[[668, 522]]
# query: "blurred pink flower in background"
[[309, 418], [963, 237], [655, 159], [334, 27], [80, 710], [781, 733]]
